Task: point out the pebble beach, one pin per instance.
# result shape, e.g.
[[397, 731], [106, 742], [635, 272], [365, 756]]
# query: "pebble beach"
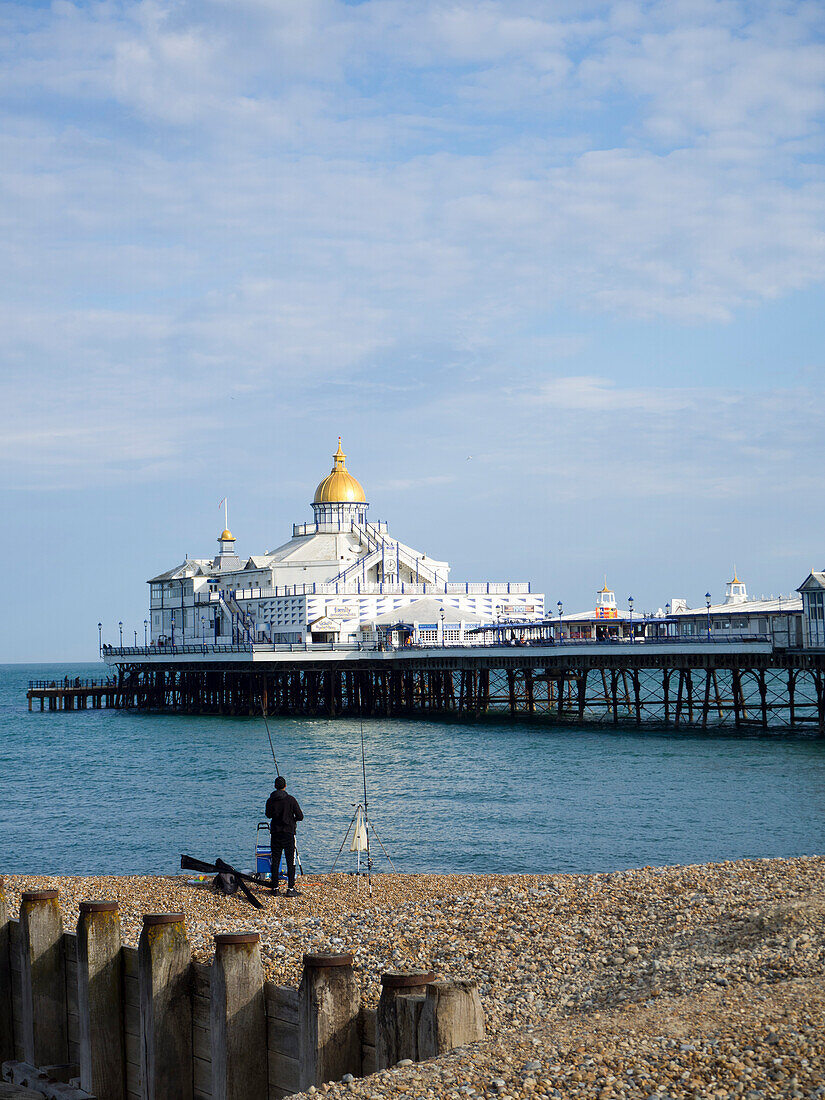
[[697, 981]]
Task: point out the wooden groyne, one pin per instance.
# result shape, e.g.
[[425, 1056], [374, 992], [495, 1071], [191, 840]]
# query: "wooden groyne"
[[121, 1023]]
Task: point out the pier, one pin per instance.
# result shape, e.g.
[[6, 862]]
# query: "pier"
[[75, 694], [700, 685]]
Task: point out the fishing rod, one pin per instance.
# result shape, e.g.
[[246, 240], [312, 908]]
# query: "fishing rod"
[[366, 807], [269, 735]]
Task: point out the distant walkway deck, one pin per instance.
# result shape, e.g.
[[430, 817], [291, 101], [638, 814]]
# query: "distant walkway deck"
[[74, 694]]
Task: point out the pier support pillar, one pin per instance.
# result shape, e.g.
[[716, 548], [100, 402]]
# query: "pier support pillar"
[[100, 1000], [329, 1001], [238, 1019], [43, 974], [164, 958], [399, 1012], [451, 1016]]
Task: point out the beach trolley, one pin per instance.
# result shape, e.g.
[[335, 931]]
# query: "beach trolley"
[[263, 854], [263, 850]]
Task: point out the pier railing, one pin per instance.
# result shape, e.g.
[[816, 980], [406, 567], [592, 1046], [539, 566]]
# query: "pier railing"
[[203, 648], [70, 682]]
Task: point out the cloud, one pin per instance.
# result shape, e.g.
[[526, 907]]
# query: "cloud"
[[213, 203]]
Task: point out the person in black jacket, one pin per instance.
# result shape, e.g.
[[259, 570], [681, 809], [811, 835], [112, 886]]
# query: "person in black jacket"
[[283, 811]]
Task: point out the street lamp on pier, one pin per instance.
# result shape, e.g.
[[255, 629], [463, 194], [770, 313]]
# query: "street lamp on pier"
[[203, 634], [560, 606], [443, 640], [630, 606], [100, 639], [667, 619], [136, 639], [120, 624], [145, 633], [707, 604], [173, 629]]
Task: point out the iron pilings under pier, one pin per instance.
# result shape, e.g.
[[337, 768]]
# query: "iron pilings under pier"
[[707, 690]]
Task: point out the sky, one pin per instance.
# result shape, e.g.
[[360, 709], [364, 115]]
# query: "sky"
[[553, 270]]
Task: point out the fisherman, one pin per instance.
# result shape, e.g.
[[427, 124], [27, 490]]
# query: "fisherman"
[[284, 812]]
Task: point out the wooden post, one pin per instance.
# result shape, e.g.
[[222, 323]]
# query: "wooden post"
[[399, 1009], [164, 956], [6, 1002], [238, 1019], [329, 1001], [100, 1000], [43, 974], [451, 1016]]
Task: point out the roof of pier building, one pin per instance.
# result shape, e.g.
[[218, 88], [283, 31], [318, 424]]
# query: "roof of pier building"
[[814, 580], [339, 486]]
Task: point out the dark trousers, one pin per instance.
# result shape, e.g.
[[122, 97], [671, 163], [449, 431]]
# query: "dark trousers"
[[283, 842]]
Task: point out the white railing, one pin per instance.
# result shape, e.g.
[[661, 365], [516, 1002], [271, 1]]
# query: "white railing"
[[370, 588]]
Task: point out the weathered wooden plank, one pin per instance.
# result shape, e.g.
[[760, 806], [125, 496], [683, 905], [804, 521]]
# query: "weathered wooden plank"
[[201, 1043], [132, 1046], [133, 1081], [281, 1002], [73, 1027], [131, 1019], [201, 1011], [282, 1037], [283, 1072], [367, 1060], [277, 1094], [70, 947], [130, 961], [368, 1018], [202, 1076], [14, 946], [201, 978], [131, 991], [71, 996]]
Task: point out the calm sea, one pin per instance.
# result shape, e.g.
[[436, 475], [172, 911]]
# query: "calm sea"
[[95, 792]]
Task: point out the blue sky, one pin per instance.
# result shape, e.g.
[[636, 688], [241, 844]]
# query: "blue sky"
[[583, 243]]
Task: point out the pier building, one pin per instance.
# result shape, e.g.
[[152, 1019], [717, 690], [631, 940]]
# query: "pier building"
[[812, 592], [778, 618], [340, 578]]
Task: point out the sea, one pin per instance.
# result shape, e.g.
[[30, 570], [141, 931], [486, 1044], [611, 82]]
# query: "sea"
[[118, 792]]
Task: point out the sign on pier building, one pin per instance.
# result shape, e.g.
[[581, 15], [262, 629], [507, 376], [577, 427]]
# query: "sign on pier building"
[[340, 578]]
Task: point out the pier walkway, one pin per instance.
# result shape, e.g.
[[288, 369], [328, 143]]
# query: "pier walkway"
[[74, 694]]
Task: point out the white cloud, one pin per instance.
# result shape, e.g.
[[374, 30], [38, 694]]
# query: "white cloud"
[[205, 200]]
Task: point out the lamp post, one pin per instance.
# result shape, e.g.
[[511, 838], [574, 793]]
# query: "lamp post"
[[443, 642], [707, 604], [173, 629], [667, 619], [203, 634], [136, 639], [145, 633], [560, 607], [120, 624], [630, 606], [100, 639]]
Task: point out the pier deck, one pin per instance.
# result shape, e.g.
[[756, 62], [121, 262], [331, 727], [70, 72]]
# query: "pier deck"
[[73, 694], [701, 684]]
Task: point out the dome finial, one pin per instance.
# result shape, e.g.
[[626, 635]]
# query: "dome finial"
[[339, 486]]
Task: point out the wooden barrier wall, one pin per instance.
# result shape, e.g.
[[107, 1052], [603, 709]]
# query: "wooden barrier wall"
[[183, 1030]]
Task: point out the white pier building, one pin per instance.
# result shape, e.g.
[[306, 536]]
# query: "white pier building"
[[340, 578]]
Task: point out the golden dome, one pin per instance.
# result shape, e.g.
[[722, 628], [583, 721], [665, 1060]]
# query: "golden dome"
[[339, 486], [226, 536]]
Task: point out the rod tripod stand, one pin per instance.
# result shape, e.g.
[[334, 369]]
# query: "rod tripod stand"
[[360, 826]]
